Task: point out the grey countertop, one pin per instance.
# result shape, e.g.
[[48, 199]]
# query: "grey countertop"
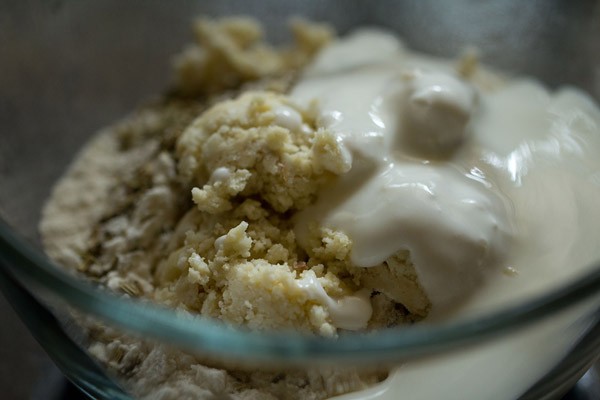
[[26, 372]]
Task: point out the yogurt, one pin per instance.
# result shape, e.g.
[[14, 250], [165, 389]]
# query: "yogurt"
[[494, 191]]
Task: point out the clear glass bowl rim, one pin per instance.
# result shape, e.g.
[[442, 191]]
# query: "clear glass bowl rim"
[[35, 270]]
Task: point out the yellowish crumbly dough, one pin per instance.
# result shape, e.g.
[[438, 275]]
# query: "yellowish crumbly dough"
[[266, 159], [230, 52], [190, 203]]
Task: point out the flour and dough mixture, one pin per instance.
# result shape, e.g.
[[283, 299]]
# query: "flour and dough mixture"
[[336, 185]]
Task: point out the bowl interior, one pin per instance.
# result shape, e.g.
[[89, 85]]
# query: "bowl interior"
[[69, 68]]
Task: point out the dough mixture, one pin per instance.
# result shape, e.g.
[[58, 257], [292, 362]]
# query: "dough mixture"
[[320, 191]]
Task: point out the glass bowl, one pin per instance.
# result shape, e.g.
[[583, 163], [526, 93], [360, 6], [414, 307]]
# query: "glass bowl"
[[68, 68]]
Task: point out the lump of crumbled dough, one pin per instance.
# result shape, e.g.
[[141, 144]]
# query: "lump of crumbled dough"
[[230, 52], [328, 245], [246, 273], [258, 144], [397, 279]]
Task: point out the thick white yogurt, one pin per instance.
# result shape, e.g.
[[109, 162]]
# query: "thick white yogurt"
[[474, 182], [408, 128]]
